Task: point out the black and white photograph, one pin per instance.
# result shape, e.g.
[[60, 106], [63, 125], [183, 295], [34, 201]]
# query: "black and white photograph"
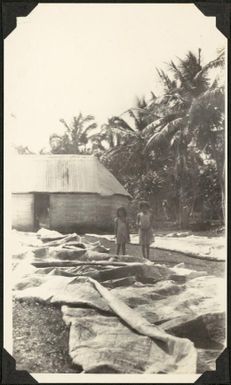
[[115, 193]]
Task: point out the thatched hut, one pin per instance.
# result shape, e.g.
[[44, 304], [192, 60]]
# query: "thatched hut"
[[64, 192]]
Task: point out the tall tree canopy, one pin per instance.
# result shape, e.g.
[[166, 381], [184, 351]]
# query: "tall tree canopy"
[[175, 138]]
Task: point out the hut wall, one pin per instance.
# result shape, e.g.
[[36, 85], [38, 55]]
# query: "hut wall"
[[84, 211], [23, 211]]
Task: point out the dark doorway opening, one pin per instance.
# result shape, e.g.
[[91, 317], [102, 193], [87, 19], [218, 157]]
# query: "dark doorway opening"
[[41, 211]]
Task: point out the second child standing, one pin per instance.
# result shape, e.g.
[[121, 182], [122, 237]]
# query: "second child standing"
[[121, 230], [144, 223]]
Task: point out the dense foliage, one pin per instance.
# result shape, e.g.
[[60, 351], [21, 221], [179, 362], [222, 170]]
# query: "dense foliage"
[[174, 151]]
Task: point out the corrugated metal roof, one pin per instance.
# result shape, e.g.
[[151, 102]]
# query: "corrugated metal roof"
[[63, 173]]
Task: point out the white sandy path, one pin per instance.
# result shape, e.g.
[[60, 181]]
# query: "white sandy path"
[[213, 248]]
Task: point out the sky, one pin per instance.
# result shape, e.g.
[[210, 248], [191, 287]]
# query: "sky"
[[63, 59]]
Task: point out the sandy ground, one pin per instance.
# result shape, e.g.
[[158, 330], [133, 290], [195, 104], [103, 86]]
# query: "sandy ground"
[[205, 246], [170, 258], [47, 350]]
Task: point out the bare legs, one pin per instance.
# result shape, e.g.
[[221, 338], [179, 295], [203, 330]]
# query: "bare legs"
[[147, 248], [145, 251], [123, 246]]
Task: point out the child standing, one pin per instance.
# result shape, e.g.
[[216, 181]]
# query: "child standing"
[[144, 223], [121, 230]]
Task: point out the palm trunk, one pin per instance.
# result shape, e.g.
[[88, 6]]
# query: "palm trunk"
[[222, 187], [180, 220], [181, 188], [220, 174]]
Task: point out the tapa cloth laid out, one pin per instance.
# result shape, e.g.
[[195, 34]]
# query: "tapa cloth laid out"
[[116, 339], [106, 334], [113, 338]]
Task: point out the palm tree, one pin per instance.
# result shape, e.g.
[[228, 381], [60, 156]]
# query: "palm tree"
[[126, 139], [76, 136], [106, 139], [207, 122], [188, 109]]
